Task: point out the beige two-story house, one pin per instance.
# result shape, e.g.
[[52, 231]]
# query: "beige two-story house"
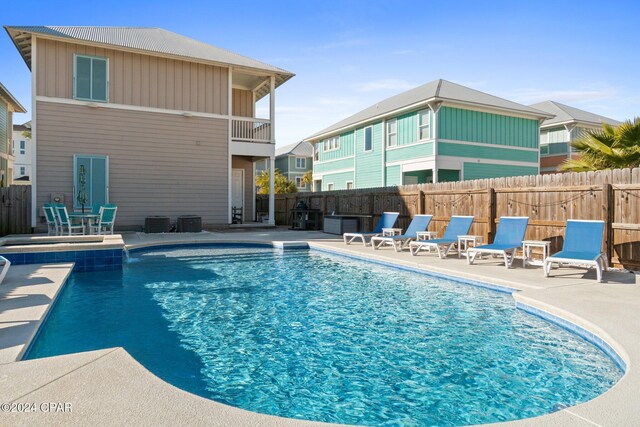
[[8, 106], [164, 124]]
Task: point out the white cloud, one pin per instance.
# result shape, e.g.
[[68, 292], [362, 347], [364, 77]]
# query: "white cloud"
[[340, 44], [383, 84]]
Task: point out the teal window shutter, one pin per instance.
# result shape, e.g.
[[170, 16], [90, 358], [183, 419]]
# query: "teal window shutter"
[[91, 78]]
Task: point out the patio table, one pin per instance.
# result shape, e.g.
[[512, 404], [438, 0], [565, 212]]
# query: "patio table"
[[86, 218]]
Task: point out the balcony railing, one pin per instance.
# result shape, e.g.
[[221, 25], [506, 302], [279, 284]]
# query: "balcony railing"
[[248, 129]]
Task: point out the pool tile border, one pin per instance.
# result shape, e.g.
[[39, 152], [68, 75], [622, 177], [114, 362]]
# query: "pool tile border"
[[84, 260], [577, 330]]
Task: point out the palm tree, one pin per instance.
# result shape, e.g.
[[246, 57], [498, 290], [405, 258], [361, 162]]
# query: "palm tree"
[[282, 184], [611, 147]]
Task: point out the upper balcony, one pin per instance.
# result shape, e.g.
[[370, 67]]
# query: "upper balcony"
[[250, 129]]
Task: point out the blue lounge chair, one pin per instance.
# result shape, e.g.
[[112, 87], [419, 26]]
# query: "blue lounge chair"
[[582, 246], [458, 226], [387, 220], [418, 223], [508, 239], [4, 267]]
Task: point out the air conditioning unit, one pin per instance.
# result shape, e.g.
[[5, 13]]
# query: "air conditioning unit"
[[189, 224], [157, 224], [57, 198]]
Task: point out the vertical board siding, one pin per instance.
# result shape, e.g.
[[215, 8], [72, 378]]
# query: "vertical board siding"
[[159, 164], [486, 170], [4, 128], [282, 163], [407, 128], [475, 126], [346, 148], [136, 79], [368, 164], [415, 151], [242, 102], [487, 152]]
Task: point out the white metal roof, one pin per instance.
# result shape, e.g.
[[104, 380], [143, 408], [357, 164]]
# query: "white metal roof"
[[11, 100], [435, 91], [566, 114], [302, 149], [155, 40]]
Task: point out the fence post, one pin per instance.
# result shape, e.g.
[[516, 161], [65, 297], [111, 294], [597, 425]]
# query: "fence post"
[[608, 206], [491, 227], [421, 202]]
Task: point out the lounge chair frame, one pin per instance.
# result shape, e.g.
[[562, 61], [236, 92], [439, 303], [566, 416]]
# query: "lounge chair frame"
[[600, 262], [442, 246], [5, 264], [507, 252], [366, 237], [402, 241]]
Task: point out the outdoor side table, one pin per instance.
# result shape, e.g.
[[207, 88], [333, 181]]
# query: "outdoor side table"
[[527, 251], [426, 235], [391, 231], [465, 241]]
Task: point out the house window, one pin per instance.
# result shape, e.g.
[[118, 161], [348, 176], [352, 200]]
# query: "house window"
[[91, 78], [299, 183], [96, 179], [330, 186], [23, 171], [349, 185], [301, 163], [332, 144], [424, 125], [392, 133], [23, 147], [316, 152], [368, 138]]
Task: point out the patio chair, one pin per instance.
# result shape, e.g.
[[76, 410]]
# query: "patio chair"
[[52, 220], [106, 220], [387, 220], [418, 223], [582, 247], [509, 236], [4, 267], [65, 222], [458, 226]]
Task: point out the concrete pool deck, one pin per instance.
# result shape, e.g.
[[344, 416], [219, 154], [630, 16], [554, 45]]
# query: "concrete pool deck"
[[108, 387]]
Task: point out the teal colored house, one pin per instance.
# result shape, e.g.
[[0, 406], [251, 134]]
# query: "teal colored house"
[[437, 132], [294, 160], [557, 133]]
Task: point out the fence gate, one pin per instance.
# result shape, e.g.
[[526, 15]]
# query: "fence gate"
[[15, 210]]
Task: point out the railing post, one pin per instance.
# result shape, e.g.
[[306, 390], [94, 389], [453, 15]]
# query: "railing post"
[[491, 217], [608, 206]]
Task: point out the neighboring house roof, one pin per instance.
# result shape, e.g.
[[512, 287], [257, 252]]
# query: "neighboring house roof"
[[436, 91], [10, 100], [23, 127], [155, 40], [566, 114], [302, 149]]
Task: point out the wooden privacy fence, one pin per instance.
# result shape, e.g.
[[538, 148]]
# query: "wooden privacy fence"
[[15, 210], [548, 201]]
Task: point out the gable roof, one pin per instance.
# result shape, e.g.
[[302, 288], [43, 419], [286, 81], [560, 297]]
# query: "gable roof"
[[566, 114], [302, 149], [143, 39], [436, 91], [10, 100]]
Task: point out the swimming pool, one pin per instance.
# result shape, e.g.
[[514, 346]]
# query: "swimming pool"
[[310, 335]]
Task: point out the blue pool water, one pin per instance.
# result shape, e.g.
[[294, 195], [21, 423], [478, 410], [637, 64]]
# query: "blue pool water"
[[309, 335]]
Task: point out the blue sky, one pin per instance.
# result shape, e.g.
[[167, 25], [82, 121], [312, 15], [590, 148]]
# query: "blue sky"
[[348, 55]]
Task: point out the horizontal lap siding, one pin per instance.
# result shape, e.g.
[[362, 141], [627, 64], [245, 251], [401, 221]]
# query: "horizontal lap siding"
[[487, 152], [141, 80], [394, 176], [339, 180], [474, 126], [411, 152], [159, 164], [345, 150], [320, 168], [485, 170]]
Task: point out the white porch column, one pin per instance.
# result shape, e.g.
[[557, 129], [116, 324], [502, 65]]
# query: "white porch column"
[[272, 160], [272, 192]]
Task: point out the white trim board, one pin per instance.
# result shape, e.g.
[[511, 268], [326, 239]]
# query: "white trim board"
[[452, 162], [93, 104]]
